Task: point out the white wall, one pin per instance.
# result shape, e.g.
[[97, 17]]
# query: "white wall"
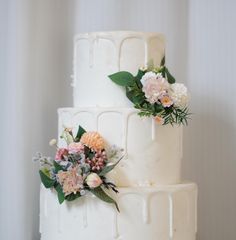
[[36, 39], [36, 63], [210, 149]]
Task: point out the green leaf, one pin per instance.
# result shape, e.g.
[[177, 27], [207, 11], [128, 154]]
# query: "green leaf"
[[170, 78], [79, 134], [57, 167], [72, 196], [138, 99], [129, 94], [99, 192], [60, 194], [122, 78], [108, 168], [47, 181], [163, 61], [139, 74]]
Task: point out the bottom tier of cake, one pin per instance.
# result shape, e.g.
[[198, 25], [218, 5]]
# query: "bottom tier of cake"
[[154, 213]]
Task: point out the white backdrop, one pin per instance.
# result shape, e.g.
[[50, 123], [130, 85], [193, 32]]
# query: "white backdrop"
[[35, 67]]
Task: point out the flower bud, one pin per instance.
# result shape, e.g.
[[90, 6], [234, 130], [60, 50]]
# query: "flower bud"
[[93, 180], [53, 142]]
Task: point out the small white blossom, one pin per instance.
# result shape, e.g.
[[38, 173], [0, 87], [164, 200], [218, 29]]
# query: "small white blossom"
[[179, 94], [53, 142]]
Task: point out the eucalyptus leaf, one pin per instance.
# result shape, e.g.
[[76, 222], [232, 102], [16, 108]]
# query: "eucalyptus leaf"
[[122, 78], [139, 75], [79, 134], [108, 168], [47, 181], [129, 94], [170, 78], [163, 61], [101, 194], [72, 196], [60, 194], [57, 167]]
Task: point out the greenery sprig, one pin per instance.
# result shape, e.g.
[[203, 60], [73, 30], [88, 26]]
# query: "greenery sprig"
[[134, 92]]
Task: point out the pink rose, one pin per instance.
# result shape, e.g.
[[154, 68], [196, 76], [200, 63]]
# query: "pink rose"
[[76, 147], [93, 180], [154, 87], [61, 152]]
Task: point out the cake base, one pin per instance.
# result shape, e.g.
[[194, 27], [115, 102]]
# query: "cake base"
[[153, 213]]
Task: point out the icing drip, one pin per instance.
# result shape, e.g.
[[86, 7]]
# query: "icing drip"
[[85, 213], [181, 140], [195, 210], [170, 199], [59, 218], [146, 57], [45, 205], [153, 130], [146, 210], [115, 227], [125, 133], [188, 207], [97, 115], [91, 51], [118, 53]]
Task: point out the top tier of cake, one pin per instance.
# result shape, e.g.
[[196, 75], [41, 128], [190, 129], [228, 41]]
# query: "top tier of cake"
[[99, 54]]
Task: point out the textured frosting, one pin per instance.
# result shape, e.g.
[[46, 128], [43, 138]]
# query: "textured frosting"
[[150, 208], [99, 54], [152, 153], [164, 212]]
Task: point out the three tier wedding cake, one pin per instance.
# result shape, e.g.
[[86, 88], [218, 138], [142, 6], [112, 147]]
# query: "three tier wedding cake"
[[153, 202]]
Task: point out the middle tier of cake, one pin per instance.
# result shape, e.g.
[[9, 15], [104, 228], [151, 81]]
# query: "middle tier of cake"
[[152, 153]]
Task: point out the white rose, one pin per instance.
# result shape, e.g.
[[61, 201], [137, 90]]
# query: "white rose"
[[146, 76], [93, 180], [179, 94], [154, 86]]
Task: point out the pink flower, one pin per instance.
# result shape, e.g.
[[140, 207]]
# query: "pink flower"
[[98, 161], [166, 101], [61, 152], [93, 180], [159, 120], [76, 147], [154, 86], [70, 180]]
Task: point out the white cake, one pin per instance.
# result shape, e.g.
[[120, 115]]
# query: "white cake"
[[154, 204]]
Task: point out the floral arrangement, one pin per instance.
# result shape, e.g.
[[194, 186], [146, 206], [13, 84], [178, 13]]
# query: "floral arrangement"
[[154, 92], [80, 167]]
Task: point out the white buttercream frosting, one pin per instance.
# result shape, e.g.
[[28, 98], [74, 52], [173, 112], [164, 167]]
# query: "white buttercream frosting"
[[152, 152], [99, 54], [164, 212]]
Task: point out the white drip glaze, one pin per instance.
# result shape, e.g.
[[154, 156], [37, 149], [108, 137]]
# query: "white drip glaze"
[[59, 218], [91, 52], [146, 209], [115, 233], [88, 73], [127, 199], [45, 205], [170, 198], [85, 213], [163, 147], [153, 130], [195, 208]]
